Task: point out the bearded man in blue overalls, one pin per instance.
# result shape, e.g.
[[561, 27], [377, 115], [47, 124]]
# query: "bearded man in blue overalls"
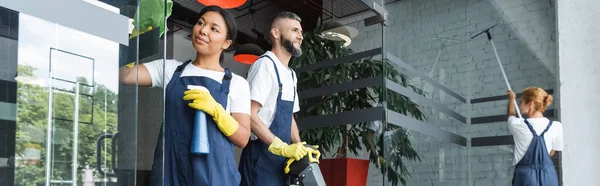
[[273, 93]]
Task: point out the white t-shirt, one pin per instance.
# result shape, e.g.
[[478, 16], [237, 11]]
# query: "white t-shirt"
[[264, 88], [238, 100], [522, 135]]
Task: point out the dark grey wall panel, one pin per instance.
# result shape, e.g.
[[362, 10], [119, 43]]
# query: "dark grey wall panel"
[[352, 85], [340, 60], [492, 141], [425, 128], [424, 101], [8, 91], [355, 116]]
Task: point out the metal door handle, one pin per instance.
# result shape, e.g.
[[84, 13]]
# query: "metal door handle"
[[99, 154]]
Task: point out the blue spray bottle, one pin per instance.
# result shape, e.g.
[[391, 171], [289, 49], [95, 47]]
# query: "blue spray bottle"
[[200, 136]]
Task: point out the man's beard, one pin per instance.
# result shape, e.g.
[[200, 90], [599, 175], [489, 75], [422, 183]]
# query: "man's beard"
[[289, 46]]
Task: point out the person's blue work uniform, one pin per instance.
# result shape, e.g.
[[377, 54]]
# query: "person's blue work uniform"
[[536, 167], [181, 168], [258, 166]]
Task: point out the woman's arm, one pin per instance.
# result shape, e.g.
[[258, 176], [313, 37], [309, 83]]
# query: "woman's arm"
[[242, 135], [511, 103], [137, 73]]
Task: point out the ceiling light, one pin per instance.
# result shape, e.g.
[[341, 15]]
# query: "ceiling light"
[[337, 32], [225, 4], [248, 53]]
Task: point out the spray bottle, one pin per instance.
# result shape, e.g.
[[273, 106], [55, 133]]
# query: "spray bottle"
[[200, 136]]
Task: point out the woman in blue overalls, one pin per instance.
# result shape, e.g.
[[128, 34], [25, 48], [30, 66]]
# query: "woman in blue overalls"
[[532, 153], [174, 165]]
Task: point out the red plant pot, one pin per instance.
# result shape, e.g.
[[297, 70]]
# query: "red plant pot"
[[345, 171]]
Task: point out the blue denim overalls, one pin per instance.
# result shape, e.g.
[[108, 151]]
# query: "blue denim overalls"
[[536, 167], [258, 166], [181, 168]]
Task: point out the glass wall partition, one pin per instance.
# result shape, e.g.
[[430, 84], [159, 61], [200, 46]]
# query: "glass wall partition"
[[523, 34], [68, 119], [425, 42], [455, 78], [444, 104], [340, 82]]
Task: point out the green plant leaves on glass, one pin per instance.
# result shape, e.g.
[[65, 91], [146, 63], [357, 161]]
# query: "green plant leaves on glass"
[[356, 137]]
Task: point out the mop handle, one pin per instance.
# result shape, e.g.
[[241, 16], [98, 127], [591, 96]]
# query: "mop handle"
[[505, 78], [432, 68]]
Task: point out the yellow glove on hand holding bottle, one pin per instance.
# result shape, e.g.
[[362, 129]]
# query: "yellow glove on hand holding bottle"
[[296, 150], [205, 102]]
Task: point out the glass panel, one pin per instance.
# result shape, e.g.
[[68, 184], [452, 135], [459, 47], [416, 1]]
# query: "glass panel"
[[9, 23], [525, 41], [68, 85], [347, 117], [152, 48], [426, 44], [76, 123]]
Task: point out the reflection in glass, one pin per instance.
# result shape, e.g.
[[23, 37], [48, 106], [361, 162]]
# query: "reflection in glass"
[[74, 97]]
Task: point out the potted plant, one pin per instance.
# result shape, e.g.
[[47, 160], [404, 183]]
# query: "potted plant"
[[358, 136]]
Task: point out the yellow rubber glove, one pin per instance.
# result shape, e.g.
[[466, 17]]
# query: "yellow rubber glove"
[[296, 150], [309, 153], [135, 33], [287, 165], [205, 102], [316, 152]]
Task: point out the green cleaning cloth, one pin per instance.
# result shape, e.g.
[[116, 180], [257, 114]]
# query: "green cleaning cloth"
[[151, 15]]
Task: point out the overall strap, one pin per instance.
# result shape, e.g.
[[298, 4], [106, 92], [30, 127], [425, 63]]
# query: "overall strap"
[[182, 66], [276, 72], [226, 81], [547, 127], [530, 127], [293, 79]]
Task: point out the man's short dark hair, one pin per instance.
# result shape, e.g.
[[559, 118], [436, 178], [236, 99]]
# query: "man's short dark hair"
[[285, 15]]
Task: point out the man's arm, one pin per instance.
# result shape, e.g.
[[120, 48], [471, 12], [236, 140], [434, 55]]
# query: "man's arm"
[[259, 128], [295, 138]]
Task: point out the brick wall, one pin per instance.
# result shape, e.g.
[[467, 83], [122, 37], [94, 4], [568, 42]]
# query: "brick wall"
[[525, 40]]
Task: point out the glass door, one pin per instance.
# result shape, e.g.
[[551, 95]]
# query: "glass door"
[[75, 123], [67, 107], [71, 106]]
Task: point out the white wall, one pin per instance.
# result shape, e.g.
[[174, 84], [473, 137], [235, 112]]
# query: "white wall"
[[579, 74]]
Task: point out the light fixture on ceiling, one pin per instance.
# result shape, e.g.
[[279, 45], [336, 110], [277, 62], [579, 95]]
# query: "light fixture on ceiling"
[[225, 4], [248, 53], [337, 32]]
